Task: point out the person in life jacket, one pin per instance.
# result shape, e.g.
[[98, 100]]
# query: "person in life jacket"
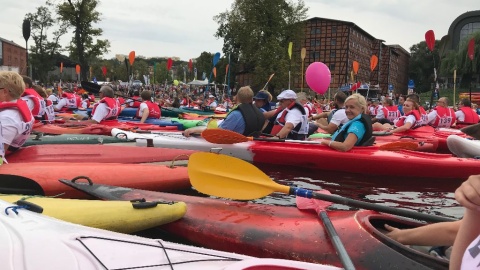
[[465, 114], [49, 115], [331, 121], [388, 112], [147, 108], [134, 101], [410, 120], [68, 102], [466, 248], [245, 119], [423, 113], [15, 117], [85, 101], [51, 96], [292, 121], [34, 101], [211, 103], [442, 115], [108, 108], [357, 131]]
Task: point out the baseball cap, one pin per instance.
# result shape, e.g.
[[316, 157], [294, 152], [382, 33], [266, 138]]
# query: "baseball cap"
[[210, 96], [287, 94], [261, 95]]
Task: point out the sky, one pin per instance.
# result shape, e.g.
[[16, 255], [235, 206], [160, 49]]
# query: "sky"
[[185, 28]]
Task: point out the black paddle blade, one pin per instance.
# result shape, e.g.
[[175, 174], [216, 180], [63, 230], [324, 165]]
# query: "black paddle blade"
[[90, 87], [26, 29], [472, 130]]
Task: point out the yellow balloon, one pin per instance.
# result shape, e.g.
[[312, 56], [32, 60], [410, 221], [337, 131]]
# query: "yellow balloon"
[[212, 123], [175, 82]]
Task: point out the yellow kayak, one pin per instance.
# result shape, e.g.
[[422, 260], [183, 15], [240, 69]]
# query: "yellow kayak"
[[118, 216]]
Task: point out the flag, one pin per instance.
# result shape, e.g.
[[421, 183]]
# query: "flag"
[[290, 45]]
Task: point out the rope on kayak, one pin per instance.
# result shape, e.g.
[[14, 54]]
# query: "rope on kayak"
[[175, 159], [14, 208]]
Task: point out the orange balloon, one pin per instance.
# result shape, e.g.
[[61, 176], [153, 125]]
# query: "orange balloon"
[[131, 57], [77, 69], [215, 72], [373, 62], [356, 65]]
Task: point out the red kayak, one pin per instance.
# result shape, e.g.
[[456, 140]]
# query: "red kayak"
[[82, 153], [282, 232], [105, 128], [42, 178]]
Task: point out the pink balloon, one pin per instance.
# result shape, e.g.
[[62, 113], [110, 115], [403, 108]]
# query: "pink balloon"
[[318, 77]]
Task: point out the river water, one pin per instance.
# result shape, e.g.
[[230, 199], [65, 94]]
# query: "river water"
[[429, 196]]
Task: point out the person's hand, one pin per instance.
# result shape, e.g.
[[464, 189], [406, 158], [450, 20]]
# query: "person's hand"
[[394, 233], [468, 194]]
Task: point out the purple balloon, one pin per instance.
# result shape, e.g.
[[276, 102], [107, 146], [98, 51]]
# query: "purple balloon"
[[318, 77]]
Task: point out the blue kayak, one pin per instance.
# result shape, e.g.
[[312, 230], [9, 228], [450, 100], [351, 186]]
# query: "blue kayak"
[[158, 122]]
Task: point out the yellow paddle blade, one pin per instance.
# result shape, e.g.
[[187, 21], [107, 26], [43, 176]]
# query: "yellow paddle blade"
[[212, 123], [229, 177], [223, 136]]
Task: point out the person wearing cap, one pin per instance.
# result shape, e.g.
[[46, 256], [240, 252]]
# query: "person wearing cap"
[[262, 101], [245, 119], [211, 102], [335, 118], [291, 122]]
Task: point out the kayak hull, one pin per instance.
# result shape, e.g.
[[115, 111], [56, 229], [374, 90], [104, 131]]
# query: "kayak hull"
[[82, 153], [280, 232], [108, 215], [32, 241], [42, 178], [362, 160], [73, 139]]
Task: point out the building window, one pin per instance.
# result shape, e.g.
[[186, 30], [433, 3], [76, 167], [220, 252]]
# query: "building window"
[[332, 66], [315, 42], [333, 41], [333, 54], [315, 55], [315, 31], [334, 30]]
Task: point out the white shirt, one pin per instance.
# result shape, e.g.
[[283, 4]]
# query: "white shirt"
[[13, 127], [142, 107], [410, 119], [431, 116], [339, 118], [294, 116], [468, 260], [100, 112], [213, 105], [30, 103], [62, 103], [460, 116], [53, 98]]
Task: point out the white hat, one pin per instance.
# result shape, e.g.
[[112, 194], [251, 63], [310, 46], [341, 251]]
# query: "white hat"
[[210, 96], [287, 94]]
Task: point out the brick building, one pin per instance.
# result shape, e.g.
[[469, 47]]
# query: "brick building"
[[338, 43], [12, 57]]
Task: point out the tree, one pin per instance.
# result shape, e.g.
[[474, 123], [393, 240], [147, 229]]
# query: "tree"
[[44, 49], [256, 35], [421, 66], [81, 15]]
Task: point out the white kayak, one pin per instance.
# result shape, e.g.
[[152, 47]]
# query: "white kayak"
[[463, 147], [31, 241], [131, 136]]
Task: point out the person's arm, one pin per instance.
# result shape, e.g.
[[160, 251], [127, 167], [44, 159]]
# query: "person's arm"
[[286, 129], [344, 146], [145, 113], [330, 128], [320, 115], [437, 234], [403, 128], [193, 130], [468, 195]]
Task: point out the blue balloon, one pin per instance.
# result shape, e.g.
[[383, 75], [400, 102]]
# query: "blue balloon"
[[216, 57]]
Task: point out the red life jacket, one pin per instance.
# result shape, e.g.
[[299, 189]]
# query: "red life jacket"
[[391, 113], [136, 102], [73, 101], [113, 107], [92, 98], [301, 128], [401, 120], [471, 117], [423, 116], [38, 101], [154, 110], [445, 117]]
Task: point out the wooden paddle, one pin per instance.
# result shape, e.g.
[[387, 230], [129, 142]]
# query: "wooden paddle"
[[223, 136], [319, 207], [229, 177]]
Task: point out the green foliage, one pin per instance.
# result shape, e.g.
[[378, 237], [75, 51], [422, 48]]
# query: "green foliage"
[[256, 35], [44, 49], [84, 47], [421, 66]]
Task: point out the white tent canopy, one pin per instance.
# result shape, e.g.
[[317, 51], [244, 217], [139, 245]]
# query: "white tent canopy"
[[198, 82]]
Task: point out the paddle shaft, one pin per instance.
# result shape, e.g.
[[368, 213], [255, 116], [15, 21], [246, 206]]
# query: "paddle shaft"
[[370, 206], [337, 243]]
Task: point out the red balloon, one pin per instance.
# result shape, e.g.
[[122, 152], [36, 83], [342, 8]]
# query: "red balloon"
[[104, 70]]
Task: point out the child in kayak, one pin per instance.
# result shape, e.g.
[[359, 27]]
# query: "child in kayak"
[[147, 108]]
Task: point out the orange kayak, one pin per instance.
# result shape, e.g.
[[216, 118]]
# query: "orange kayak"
[[42, 178]]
